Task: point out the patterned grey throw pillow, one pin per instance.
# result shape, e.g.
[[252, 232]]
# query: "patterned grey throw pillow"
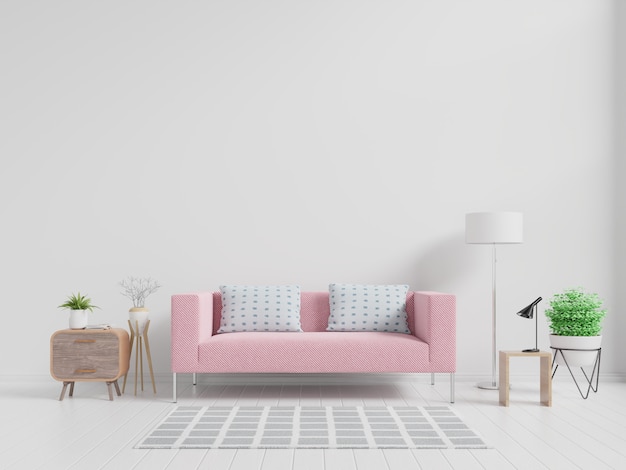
[[260, 308], [355, 307]]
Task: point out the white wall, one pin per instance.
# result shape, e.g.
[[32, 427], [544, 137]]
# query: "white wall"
[[302, 142], [620, 176]]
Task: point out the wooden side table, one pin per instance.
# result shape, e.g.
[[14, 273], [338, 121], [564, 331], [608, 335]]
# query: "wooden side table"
[[546, 380], [96, 355]]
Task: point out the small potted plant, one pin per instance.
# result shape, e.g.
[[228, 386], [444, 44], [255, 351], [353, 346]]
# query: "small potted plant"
[[78, 305], [137, 289], [575, 320]]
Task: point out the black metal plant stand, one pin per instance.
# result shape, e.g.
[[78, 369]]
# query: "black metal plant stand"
[[594, 373]]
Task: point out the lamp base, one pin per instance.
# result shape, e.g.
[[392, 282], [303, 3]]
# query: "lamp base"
[[530, 350], [488, 385]]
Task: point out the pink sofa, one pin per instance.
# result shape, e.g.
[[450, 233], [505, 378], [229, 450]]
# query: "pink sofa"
[[197, 348]]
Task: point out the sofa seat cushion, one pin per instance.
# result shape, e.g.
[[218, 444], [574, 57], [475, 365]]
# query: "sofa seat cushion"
[[311, 352]]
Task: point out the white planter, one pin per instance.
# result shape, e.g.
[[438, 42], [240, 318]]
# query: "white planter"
[[78, 319], [576, 358], [138, 316]]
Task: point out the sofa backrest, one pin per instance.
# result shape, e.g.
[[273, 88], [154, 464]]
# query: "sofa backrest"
[[314, 311]]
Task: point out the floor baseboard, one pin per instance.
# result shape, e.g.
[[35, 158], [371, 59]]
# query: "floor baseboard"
[[318, 379]]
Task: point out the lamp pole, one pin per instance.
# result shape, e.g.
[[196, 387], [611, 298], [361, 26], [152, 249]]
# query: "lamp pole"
[[534, 314], [492, 385], [536, 329]]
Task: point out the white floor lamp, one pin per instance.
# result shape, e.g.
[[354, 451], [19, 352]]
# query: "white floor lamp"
[[493, 228]]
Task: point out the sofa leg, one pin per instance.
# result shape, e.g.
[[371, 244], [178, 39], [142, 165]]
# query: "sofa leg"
[[432, 378], [452, 387], [194, 378], [174, 398]]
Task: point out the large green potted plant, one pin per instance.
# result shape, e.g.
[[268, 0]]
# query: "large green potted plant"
[[78, 305], [575, 320]]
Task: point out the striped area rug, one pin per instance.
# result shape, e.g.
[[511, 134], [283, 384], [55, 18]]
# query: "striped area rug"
[[302, 427]]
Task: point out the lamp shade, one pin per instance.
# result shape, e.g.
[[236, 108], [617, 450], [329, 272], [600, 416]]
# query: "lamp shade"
[[529, 311], [494, 227]]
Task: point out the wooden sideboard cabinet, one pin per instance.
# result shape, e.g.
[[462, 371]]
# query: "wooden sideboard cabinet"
[[89, 356]]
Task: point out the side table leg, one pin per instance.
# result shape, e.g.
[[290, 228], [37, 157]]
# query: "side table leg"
[[110, 391], [117, 389], [504, 379], [546, 381]]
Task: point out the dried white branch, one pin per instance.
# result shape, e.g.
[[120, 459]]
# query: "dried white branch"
[[138, 289]]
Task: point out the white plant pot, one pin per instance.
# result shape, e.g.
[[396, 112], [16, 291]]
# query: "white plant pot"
[[576, 358], [78, 319], [138, 316]]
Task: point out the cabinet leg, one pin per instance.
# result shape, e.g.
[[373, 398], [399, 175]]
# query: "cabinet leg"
[[63, 391], [117, 388], [72, 389], [110, 391]]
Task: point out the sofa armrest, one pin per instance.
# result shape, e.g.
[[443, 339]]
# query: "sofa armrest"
[[435, 324], [192, 323]]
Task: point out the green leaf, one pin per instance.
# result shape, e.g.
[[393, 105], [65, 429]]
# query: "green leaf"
[[78, 302], [575, 313]]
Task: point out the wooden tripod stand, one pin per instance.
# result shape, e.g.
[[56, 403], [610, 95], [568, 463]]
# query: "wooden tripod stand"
[[139, 340]]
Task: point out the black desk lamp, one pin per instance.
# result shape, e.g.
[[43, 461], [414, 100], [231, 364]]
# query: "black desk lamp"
[[530, 312]]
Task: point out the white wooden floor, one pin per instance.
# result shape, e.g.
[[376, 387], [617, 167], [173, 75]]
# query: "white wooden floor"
[[89, 432]]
